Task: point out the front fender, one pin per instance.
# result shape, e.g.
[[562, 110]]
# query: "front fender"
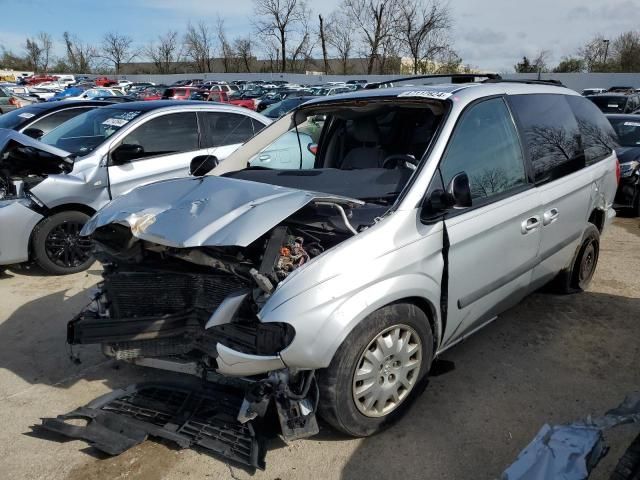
[[321, 331]]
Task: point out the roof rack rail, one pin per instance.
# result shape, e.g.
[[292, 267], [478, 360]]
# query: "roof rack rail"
[[461, 77], [532, 81]]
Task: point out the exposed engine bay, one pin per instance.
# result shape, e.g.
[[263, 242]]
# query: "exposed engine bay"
[[194, 310], [23, 166]]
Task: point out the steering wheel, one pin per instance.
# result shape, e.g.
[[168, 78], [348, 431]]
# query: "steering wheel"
[[400, 159]]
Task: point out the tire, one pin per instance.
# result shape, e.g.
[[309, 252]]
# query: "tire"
[[339, 404], [577, 278], [57, 246], [628, 467]]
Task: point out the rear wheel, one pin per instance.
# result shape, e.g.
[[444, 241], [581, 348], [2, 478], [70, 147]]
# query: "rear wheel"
[[57, 245], [578, 277], [377, 370]]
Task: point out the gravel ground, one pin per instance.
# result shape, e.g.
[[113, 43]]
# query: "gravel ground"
[[550, 359]]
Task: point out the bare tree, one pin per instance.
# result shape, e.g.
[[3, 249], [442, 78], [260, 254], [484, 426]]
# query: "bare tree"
[[301, 52], [340, 37], [243, 50], [46, 45], [422, 29], [117, 49], [594, 53], [33, 54], [323, 43], [198, 42], [279, 19], [376, 20], [165, 53], [226, 49], [80, 56], [626, 52]]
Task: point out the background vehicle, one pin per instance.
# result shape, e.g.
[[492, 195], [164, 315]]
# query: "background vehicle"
[[143, 142], [40, 118], [627, 128], [93, 93], [429, 210], [181, 93], [616, 102], [593, 91], [282, 107]]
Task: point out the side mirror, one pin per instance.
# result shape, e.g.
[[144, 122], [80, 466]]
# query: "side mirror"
[[125, 153], [34, 133], [202, 164], [460, 191]]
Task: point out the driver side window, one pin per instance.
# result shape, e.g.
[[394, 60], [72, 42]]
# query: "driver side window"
[[167, 134], [485, 145]]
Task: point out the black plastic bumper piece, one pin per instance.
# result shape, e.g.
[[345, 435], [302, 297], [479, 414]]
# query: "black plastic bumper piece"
[[203, 416]]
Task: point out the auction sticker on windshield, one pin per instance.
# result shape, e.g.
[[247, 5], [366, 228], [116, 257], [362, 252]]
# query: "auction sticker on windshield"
[[426, 94], [115, 122], [27, 115]]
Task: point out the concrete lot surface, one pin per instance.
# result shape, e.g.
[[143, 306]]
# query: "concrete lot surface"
[[550, 359]]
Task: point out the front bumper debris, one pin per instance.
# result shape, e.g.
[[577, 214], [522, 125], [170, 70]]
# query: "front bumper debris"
[[204, 417]]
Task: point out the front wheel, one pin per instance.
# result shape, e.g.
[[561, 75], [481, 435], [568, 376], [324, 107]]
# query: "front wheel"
[[57, 245], [376, 371]]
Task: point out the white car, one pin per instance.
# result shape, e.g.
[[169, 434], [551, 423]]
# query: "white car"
[[78, 167], [96, 92]]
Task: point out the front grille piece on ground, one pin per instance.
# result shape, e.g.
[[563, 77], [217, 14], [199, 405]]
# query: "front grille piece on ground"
[[204, 416]]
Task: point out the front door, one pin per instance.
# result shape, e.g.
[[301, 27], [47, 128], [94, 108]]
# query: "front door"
[[169, 143], [493, 245]]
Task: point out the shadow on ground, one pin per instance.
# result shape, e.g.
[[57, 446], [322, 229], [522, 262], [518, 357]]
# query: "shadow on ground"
[[550, 359]]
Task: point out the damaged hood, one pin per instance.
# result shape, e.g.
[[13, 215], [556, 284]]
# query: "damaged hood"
[[207, 211], [22, 154]]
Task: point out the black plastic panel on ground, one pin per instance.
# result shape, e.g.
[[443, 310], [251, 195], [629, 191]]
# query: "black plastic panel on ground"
[[202, 416]]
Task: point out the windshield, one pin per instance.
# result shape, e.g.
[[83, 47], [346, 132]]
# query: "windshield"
[[628, 131], [610, 103], [87, 131], [367, 151]]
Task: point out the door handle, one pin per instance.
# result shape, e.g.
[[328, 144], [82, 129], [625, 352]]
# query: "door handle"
[[264, 158], [530, 224], [550, 216]]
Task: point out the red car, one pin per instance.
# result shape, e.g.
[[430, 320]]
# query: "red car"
[[36, 79], [246, 103], [180, 93], [104, 82]]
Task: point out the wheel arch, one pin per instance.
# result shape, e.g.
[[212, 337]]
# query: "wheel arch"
[[67, 207], [598, 217]]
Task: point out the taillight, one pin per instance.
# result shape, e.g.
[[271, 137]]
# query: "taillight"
[[224, 97], [618, 171], [14, 101]]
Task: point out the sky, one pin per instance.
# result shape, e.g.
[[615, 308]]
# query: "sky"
[[487, 34]]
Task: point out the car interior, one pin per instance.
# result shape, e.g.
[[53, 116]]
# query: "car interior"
[[367, 151]]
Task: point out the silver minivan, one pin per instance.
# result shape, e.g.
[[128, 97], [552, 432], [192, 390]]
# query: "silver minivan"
[[49, 189], [332, 288]]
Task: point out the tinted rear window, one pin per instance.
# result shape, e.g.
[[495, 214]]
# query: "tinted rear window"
[[551, 135], [610, 104], [598, 137]]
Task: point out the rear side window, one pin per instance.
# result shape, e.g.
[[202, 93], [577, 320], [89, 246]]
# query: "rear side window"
[[551, 135], [167, 134], [222, 128], [485, 146], [598, 137]]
